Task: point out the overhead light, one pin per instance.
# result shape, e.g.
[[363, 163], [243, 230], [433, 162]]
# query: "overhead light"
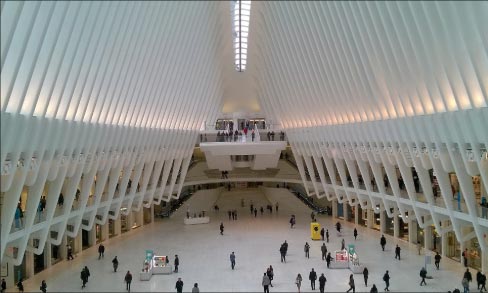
[[241, 12]]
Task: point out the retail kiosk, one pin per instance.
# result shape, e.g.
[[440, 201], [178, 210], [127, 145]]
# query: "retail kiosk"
[[154, 265]]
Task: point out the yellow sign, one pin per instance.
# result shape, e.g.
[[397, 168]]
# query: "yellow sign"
[[315, 231]]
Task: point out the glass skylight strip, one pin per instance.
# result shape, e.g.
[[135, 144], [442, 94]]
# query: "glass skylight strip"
[[241, 11]]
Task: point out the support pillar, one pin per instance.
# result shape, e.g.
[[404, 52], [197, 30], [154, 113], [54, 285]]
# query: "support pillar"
[[345, 211], [428, 237], [444, 244], [152, 209], [29, 263], [356, 215], [104, 233], [382, 222], [484, 261], [78, 243], [47, 254], [62, 251], [117, 227], [370, 218], [334, 208], [139, 217], [396, 225], [92, 236], [412, 231], [130, 220]]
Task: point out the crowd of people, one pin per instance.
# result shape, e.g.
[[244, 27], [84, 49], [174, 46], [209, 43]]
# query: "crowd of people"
[[269, 273]]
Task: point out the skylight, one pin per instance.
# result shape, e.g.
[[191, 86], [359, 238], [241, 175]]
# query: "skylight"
[[241, 11]]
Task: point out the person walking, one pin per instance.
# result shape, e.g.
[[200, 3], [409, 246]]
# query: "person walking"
[[327, 235], [20, 286], [179, 285], [343, 244], [328, 259], [323, 248], [383, 242], [298, 282], [84, 278], [352, 286], [483, 282], [465, 257], [312, 277], [70, 252], [373, 289], [177, 263], [386, 278], [478, 279], [101, 251], [468, 276], [465, 284], [419, 247], [232, 260], [43, 286], [266, 282], [437, 258], [355, 233], [322, 233], [255, 212], [322, 281], [221, 228], [283, 253], [3, 287], [261, 210], [276, 206], [365, 275], [397, 252], [195, 288], [229, 213], [307, 250], [115, 263], [128, 280], [270, 274], [423, 275]]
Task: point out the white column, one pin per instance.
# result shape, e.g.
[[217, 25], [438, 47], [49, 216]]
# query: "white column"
[[396, 225], [383, 219], [117, 227], [444, 243], [62, 251], [412, 231], [334, 208], [104, 232], [345, 211], [47, 254], [370, 218], [428, 238], [92, 236], [356, 215], [78, 243], [140, 217], [29, 263]]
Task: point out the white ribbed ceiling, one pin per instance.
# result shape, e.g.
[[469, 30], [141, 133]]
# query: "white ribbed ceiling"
[[143, 64], [165, 64], [334, 62]]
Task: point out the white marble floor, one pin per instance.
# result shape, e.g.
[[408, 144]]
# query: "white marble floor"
[[204, 255]]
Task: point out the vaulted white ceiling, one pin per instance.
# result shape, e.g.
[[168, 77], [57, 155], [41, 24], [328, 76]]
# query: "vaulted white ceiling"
[[335, 62], [170, 64]]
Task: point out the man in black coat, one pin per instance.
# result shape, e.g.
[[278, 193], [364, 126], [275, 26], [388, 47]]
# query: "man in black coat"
[[322, 281], [383, 242], [101, 250], [312, 277], [179, 285], [177, 263]]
